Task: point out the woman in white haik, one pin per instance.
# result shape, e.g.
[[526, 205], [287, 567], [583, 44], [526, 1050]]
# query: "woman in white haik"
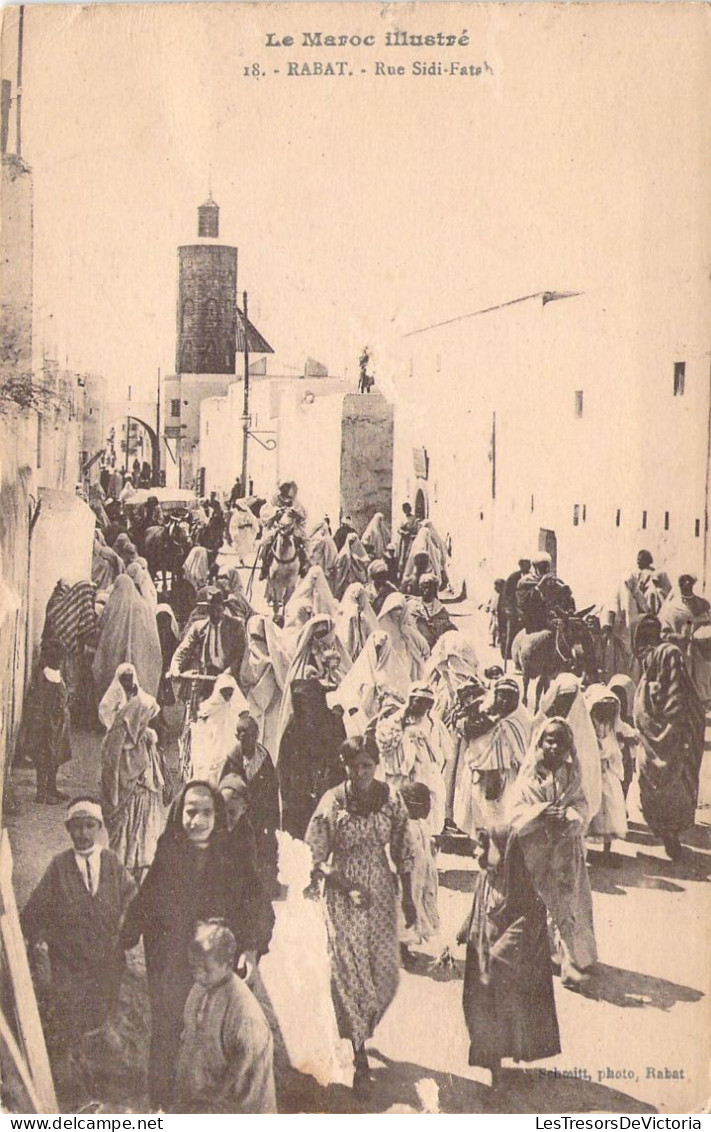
[[300, 929], [212, 735]]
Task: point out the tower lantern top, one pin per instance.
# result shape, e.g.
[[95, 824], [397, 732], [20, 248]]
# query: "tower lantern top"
[[209, 219]]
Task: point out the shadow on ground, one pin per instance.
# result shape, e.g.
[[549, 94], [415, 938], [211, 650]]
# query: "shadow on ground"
[[394, 1089]]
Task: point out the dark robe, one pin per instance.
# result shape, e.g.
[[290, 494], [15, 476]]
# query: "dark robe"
[[184, 885], [82, 935], [669, 768], [508, 613], [263, 810], [168, 644], [509, 1005], [45, 733], [379, 600], [308, 755], [342, 534]]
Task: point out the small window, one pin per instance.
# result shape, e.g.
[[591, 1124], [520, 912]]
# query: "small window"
[[576, 514], [644, 520], [666, 520], [697, 528], [533, 503], [175, 407], [578, 403], [679, 378], [481, 516], [585, 513], [618, 518]]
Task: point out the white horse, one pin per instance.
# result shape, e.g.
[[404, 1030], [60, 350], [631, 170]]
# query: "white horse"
[[283, 569]]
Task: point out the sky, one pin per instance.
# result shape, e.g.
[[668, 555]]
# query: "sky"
[[362, 206]]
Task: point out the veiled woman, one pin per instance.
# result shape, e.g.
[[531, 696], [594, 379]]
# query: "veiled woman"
[[376, 536], [548, 812], [133, 778], [196, 568], [309, 733], [262, 677], [670, 719], [427, 541], [394, 620], [322, 550], [452, 664], [127, 634], [71, 621], [350, 566], [139, 575], [311, 597], [379, 673], [169, 637], [106, 564], [212, 734], [356, 620]]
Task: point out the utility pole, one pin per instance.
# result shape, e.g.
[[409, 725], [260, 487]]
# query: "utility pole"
[[707, 488], [128, 430], [245, 410], [156, 459], [18, 96]]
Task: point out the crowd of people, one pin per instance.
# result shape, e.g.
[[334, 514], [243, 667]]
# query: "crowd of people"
[[361, 723]]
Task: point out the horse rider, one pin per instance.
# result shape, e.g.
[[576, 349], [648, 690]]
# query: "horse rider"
[[286, 512]]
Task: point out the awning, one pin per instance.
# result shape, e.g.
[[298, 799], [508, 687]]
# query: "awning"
[[255, 343]]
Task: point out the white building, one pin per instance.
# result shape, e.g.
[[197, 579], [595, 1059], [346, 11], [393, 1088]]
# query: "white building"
[[275, 451], [578, 423]]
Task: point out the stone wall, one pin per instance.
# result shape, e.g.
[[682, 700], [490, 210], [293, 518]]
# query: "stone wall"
[[367, 431]]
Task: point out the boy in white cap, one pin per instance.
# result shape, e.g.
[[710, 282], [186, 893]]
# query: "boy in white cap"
[[76, 910]]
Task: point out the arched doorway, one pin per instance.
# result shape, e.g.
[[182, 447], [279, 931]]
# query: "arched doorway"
[[421, 507], [142, 443]]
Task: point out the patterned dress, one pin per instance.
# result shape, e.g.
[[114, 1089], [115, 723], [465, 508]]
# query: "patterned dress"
[[365, 958]]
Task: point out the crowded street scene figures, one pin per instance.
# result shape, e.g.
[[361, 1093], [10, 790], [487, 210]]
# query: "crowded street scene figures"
[[287, 719]]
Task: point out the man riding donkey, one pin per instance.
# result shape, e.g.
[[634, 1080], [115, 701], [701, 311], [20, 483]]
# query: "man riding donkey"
[[545, 604]]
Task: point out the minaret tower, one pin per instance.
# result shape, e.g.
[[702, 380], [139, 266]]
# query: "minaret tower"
[[207, 299]]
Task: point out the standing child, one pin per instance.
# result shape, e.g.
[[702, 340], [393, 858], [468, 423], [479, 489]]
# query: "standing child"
[[611, 819], [225, 1063], [624, 689]]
